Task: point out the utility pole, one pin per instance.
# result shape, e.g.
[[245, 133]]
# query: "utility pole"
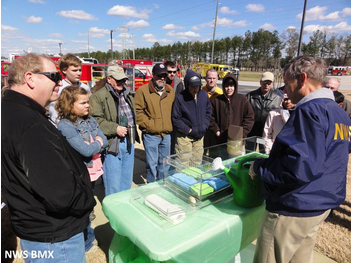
[[88, 44], [112, 54], [216, 18], [302, 26], [60, 48], [133, 46]]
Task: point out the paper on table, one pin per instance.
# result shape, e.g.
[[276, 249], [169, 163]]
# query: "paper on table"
[[166, 210]]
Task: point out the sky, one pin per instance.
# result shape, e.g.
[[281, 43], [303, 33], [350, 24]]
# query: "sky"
[[43, 26]]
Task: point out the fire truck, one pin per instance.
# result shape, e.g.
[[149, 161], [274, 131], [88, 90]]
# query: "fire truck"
[[138, 71], [339, 70], [91, 73], [222, 70]]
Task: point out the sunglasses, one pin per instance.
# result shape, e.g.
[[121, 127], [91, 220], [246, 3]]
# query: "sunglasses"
[[120, 80], [53, 76], [162, 76], [267, 82], [170, 71]]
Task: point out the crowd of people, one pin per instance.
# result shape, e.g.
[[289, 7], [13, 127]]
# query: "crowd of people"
[[58, 138]]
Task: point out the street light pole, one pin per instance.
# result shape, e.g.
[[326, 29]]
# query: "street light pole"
[[112, 54], [60, 48], [302, 26], [88, 43], [216, 18]]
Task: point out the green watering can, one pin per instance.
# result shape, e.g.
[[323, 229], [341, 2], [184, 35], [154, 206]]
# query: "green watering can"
[[246, 192]]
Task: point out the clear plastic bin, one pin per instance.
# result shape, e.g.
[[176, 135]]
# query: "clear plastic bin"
[[194, 180]]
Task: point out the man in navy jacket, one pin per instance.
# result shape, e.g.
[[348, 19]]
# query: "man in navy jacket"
[[191, 115], [305, 174]]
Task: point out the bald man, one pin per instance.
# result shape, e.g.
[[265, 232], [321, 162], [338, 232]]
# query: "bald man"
[[334, 84]]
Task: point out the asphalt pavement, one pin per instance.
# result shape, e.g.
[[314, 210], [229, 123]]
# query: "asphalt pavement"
[[246, 86]]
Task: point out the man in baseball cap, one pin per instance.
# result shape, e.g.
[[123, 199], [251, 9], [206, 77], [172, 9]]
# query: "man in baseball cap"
[[191, 115], [116, 72], [159, 69], [113, 108], [267, 76], [263, 100], [153, 106]]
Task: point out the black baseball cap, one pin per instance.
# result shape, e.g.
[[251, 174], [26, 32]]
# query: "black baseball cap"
[[159, 69]]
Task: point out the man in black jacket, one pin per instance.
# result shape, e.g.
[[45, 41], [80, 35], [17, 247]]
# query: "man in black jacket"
[[45, 181], [263, 100]]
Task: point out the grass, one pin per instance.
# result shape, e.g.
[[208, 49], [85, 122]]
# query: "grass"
[[250, 76], [254, 76]]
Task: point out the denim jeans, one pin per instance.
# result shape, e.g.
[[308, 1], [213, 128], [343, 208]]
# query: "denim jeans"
[[70, 250], [118, 170], [89, 237], [156, 149]]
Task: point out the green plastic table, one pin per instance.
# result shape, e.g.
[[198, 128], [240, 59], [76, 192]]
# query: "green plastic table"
[[215, 233]]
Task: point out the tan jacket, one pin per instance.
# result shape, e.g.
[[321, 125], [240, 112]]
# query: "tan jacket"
[[154, 111]]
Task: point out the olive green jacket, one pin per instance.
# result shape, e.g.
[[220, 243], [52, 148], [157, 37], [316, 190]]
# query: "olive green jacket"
[[104, 110]]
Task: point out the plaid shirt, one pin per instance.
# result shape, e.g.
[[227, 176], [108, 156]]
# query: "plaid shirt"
[[125, 109]]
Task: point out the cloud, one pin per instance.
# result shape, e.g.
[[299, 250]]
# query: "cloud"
[[317, 13], [123, 28], [222, 22], [37, 1], [171, 26], [268, 26], [79, 41], [343, 26], [137, 24], [226, 10], [122, 42], [183, 35], [95, 32], [34, 20], [124, 35], [57, 35], [291, 28], [332, 16], [346, 11], [128, 11], [77, 14], [152, 39], [8, 28], [255, 8], [156, 6]]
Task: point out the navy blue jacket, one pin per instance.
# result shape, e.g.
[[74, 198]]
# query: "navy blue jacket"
[[305, 173], [189, 114]]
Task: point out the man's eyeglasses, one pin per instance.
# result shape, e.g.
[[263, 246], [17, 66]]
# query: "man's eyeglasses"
[[332, 88], [53, 76], [162, 76], [170, 71]]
